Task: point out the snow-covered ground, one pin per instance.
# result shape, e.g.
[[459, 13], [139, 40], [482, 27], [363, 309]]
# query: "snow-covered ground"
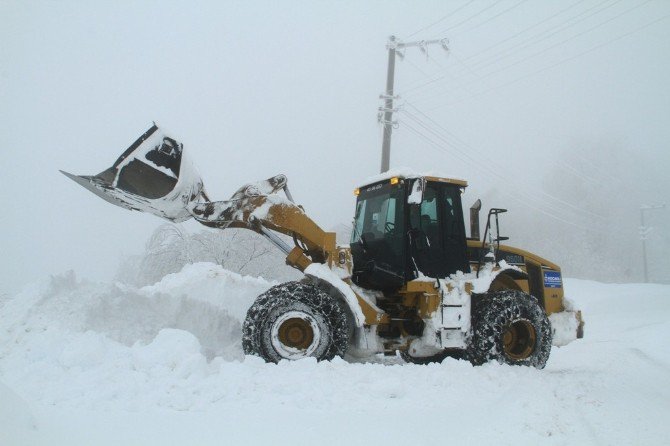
[[86, 363]]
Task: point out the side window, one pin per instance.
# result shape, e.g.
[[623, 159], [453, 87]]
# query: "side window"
[[452, 222], [429, 207], [358, 222], [390, 213], [429, 223], [385, 218], [449, 206]]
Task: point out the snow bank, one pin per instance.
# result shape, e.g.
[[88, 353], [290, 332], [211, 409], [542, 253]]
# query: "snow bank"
[[16, 417], [74, 343], [105, 364]]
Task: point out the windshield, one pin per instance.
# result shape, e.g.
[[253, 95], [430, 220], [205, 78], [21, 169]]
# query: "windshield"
[[377, 213], [378, 237]]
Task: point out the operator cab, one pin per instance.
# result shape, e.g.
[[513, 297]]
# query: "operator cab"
[[405, 228]]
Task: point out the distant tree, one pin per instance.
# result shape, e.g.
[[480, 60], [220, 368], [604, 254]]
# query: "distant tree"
[[594, 191], [342, 233], [171, 247]]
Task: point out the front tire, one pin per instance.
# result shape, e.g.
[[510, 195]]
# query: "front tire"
[[511, 327], [295, 320]]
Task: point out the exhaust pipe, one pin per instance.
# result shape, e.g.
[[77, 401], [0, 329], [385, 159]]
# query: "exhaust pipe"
[[474, 219]]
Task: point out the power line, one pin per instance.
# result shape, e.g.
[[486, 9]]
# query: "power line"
[[493, 171], [568, 39], [482, 92], [467, 67], [525, 30], [562, 61], [492, 46], [492, 18], [416, 67], [544, 35], [515, 197], [524, 44], [440, 19], [458, 83], [576, 172], [469, 18], [547, 48]]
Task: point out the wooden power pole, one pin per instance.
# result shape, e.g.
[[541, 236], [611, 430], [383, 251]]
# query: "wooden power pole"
[[386, 112]]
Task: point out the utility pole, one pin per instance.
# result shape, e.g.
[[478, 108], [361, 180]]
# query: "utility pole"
[[386, 112], [644, 232]]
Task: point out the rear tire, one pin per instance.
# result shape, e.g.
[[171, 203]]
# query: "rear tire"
[[511, 327], [295, 320]]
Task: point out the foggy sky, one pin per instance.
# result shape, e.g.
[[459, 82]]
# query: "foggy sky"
[[258, 88]]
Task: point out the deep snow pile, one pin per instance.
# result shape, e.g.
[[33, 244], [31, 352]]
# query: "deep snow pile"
[[84, 344], [85, 363]]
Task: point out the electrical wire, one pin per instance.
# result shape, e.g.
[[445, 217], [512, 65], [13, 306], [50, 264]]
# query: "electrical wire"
[[469, 18], [524, 30], [417, 68], [567, 40], [459, 84], [544, 35], [562, 61], [546, 196], [491, 18], [437, 147], [444, 17], [525, 43]]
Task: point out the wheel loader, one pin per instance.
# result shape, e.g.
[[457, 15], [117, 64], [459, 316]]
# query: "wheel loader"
[[410, 283]]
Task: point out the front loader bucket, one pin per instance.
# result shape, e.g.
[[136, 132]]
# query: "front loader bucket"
[[152, 175]]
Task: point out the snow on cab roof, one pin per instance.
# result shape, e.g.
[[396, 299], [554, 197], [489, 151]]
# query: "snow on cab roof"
[[406, 172]]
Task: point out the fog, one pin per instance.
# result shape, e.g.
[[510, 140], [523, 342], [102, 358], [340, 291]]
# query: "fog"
[[557, 111]]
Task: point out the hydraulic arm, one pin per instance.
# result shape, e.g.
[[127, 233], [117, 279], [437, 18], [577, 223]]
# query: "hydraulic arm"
[[259, 207]]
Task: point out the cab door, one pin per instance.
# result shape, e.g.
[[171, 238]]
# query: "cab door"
[[437, 232]]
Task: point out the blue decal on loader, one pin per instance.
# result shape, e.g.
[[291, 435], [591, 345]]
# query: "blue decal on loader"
[[552, 279]]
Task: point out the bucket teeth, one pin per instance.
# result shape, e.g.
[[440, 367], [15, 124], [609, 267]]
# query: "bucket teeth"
[[98, 187]]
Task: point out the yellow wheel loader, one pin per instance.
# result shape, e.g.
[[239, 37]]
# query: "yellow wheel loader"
[[410, 281]]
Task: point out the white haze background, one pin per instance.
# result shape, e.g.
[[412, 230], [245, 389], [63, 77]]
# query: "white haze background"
[[566, 126]]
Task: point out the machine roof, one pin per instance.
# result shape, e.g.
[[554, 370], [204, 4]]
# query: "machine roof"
[[407, 173]]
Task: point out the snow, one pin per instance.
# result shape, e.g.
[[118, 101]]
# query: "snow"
[[416, 196], [564, 328], [16, 415], [403, 172], [140, 154], [321, 271], [261, 212], [91, 363]]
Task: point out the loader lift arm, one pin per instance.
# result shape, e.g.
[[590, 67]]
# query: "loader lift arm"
[[260, 208]]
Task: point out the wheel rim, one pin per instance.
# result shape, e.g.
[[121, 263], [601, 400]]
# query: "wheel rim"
[[519, 340], [295, 335]]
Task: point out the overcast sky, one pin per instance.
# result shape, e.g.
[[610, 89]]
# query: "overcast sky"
[[258, 88]]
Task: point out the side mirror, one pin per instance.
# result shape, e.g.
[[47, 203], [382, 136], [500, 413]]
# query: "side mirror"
[[416, 195], [474, 219]]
